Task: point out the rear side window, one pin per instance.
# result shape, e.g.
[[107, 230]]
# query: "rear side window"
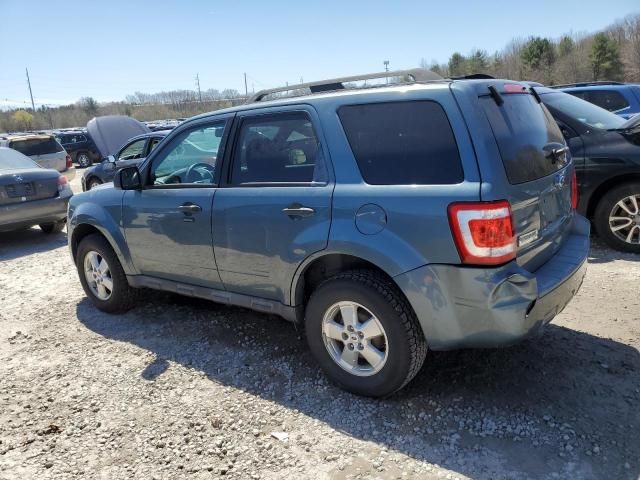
[[36, 146], [402, 143], [523, 128], [607, 99]]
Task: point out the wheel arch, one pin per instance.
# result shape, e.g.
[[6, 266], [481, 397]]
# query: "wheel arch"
[[607, 185], [321, 267], [93, 220]]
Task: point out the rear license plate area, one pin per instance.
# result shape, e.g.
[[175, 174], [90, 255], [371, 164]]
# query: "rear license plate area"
[[20, 190]]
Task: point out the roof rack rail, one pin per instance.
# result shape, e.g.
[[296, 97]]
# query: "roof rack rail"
[[415, 75], [586, 84]]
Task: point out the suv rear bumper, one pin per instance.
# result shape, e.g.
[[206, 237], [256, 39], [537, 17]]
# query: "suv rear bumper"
[[461, 307]]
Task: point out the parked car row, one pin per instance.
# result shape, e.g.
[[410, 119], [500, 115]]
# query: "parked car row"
[[620, 98], [43, 149]]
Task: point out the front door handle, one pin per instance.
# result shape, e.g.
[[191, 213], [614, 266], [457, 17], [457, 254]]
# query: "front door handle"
[[188, 208], [295, 210]]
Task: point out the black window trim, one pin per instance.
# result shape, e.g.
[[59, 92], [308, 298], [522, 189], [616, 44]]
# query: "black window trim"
[[147, 166], [253, 114]]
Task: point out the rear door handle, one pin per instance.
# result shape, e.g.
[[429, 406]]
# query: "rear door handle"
[[189, 207], [295, 210]]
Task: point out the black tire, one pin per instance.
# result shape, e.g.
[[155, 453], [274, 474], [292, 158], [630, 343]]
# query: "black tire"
[[406, 347], [55, 227], [604, 209], [83, 159], [123, 297], [93, 182]]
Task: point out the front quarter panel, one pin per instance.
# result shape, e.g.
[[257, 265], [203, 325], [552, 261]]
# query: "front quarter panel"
[[102, 209]]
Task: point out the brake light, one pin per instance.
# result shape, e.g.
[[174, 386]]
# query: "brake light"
[[483, 232], [63, 183], [574, 190], [69, 161], [514, 88]]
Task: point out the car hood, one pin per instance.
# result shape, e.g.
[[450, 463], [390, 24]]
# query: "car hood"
[[111, 132]]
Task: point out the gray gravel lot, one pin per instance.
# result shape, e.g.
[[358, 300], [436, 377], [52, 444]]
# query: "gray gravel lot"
[[181, 388]]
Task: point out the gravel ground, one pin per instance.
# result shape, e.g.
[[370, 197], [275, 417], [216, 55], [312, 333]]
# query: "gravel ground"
[[180, 388]]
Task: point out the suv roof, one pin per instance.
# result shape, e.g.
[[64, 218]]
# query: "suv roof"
[[589, 84]]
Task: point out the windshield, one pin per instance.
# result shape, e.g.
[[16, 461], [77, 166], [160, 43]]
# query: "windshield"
[[583, 111], [11, 160]]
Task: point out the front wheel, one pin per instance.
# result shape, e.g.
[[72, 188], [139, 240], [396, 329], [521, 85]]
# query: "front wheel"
[[617, 217], [364, 334], [102, 276]]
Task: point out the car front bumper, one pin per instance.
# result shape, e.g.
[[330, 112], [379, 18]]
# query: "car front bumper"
[[26, 214], [460, 307]]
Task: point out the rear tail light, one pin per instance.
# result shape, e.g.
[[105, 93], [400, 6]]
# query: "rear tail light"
[[574, 190], [514, 88], [483, 232], [69, 161], [63, 183]]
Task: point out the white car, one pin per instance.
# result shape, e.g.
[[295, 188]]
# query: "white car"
[[43, 149]]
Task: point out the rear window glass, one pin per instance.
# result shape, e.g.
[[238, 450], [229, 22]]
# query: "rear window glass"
[[12, 160], [402, 143], [522, 128], [607, 99], [36, 146]]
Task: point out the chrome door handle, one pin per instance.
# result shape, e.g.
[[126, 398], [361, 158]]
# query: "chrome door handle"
[[188, 208], [296, 210]]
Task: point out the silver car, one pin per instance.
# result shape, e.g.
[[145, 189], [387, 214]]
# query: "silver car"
[[43, 149], [31, 195]]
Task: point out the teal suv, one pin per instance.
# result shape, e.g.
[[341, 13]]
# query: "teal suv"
[[410, 214]]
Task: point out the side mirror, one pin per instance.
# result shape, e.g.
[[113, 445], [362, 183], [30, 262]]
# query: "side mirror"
[[128, 178], [111, 159]]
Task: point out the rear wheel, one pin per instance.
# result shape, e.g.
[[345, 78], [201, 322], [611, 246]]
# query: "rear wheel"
[[55, 227], [102, 276], [83, 159], [617, 217], [364, 334]]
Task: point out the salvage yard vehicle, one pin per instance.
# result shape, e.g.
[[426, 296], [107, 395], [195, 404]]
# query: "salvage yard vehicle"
[[620, 98], [606, 152], [43, 149], [427, 213], [132, 153], [79, 146], [31, 195]]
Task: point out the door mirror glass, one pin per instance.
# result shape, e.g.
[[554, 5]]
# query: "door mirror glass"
[[111, 159], [128, 179]]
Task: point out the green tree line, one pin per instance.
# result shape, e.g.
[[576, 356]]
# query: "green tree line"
[[612, 54]]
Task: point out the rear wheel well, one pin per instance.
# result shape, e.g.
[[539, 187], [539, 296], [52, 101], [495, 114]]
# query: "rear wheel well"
[[80, 232], [326, 267], [605, 187]]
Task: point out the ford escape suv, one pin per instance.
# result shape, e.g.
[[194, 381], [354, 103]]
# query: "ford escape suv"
[[387, 219]]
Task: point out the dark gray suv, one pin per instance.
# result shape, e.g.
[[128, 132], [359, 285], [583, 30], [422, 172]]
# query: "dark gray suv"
[[388, 219]]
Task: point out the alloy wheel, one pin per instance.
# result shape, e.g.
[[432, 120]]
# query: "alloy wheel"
[[624, 219], [355, 338], [98, 275]]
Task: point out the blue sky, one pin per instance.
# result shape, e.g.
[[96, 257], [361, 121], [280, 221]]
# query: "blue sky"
[[108, 49]]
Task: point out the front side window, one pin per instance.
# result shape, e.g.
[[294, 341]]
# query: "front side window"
[[281, 148], [402, 143], [191, 157], [133, 151]]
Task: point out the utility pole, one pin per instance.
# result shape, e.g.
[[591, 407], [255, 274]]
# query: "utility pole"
[[246, 90], [386, 68], [33, 105], [198, 85]]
